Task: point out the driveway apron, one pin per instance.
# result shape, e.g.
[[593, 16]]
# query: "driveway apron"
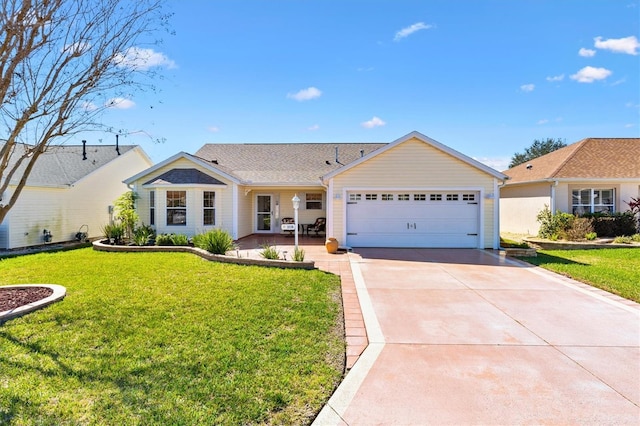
[[470, 337]]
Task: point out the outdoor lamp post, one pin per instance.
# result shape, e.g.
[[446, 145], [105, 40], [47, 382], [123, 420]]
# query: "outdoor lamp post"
[[296, 206]]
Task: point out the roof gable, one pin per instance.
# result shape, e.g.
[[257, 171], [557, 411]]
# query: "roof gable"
[[433, 143], [591, 158], [214, 168], [184, 177]]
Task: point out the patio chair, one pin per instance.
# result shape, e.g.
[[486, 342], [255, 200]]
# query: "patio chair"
[[318, 227], [288, 224]]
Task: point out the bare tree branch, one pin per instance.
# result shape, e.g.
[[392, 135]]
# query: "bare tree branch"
[[60, 63]]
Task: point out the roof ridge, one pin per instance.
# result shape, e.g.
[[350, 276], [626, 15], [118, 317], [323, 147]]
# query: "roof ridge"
[[570, 156]]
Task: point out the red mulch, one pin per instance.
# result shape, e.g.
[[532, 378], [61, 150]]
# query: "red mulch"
[[11, 298]]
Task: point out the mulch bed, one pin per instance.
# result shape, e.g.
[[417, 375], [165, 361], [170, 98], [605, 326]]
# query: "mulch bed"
[[11, 298]]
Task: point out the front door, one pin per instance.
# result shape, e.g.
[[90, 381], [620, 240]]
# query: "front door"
[[264, 213]]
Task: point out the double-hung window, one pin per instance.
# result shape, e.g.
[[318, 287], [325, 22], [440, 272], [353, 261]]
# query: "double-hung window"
[[152, 207], [593, 200], [313, 201], [209, 208], [177, 208]]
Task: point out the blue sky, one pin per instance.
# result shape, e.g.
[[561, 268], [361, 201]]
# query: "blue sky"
[[485, 77]]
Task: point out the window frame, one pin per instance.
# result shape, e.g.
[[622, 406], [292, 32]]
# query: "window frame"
[[173, 197], [580, 208], [208, 209], [313, 204], [152, 207]]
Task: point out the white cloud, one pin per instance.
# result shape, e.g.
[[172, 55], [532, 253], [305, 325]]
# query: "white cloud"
[[313, 128], [587, 53], [628, 126], [628, 45], [496, 163], [213, 129], [305, 94], [407, 31], [120, 103], [142, 59], [527, 87], [374, 122], [543, 121], [590, 74], [556, 78], [89, 106]]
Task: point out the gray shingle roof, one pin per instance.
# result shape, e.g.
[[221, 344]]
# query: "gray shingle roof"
[[280, 163], [63, 164], [184, 176]]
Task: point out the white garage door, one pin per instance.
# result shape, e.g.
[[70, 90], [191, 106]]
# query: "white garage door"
[[413, 219]]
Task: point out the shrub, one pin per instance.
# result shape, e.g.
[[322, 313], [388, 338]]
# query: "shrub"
[[580, 227], [114, 232], [164, 240], [179, 239], [125, 212], [613, 224], [215, 241], [554, 226], [636, 238], [143, 235], [623, 240], [269, 252], [591, 236], [298, 254]]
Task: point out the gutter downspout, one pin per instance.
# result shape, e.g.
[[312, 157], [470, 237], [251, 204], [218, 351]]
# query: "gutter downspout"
[[329, 211], [553, 196], [496, 205]]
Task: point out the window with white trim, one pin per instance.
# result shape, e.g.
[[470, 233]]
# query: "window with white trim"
[[403, 197], [208, 208], [152, 207], [452, 197], [591, 200], [387, 197], [419, 197], [177, 208], [371, 197], [468, 197], [435, 197], [313, 201], [355, 197]]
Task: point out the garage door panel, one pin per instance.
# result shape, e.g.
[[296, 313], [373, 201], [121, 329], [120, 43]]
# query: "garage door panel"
[[441, 220]]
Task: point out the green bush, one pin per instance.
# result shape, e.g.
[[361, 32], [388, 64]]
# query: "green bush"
[[179, 239], [114, 232], [623, 240], [298, 254], [554, 226], [143, 235], [613, 224], [164, 240], [591, 236], [216, 241], [269, 252]]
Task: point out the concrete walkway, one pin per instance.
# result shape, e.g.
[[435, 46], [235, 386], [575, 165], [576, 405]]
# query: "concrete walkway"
[[469, 337]]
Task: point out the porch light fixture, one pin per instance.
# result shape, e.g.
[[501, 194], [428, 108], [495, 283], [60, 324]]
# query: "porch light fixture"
[[296, 205]]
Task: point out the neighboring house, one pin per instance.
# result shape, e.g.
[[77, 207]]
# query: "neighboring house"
[[593, 175], [69, 192], [413, 192]]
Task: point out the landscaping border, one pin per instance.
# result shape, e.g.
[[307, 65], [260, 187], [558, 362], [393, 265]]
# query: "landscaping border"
[[59, 292], [284, 264], [541, 244]]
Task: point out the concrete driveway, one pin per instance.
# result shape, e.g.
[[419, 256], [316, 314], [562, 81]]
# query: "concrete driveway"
[[469, 337]]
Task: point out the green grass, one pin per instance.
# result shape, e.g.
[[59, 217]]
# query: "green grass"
[[169, 338], [613, 270]]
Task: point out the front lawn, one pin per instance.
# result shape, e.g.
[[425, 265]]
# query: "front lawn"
[[169, 338], [613, 270]]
